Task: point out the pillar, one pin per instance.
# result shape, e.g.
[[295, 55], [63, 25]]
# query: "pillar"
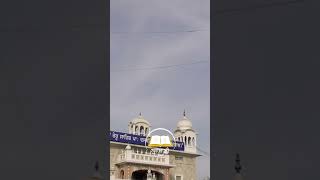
[[166, 174], [127, 172]]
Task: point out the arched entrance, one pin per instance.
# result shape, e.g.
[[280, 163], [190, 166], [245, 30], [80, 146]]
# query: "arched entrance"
[[142, 175]]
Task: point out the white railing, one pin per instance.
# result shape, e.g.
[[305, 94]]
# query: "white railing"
[[143, 157]]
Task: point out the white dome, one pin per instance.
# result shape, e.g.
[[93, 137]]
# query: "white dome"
[[128, 147], [140, 119], [184, 124]]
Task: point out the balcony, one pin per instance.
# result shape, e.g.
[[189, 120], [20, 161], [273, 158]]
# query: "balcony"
[[143, 157]]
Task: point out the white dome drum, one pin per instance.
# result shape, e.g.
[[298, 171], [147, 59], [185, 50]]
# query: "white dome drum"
[[139, 126], [184, 124], [184, 133]]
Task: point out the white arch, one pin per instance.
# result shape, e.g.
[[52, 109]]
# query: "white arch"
[[136, 130], [146, 131], [122, 174], [141, 132]]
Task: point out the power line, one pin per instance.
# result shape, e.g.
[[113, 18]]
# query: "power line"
[[64, 27], [160, 67], [203, 151], [223, 12], [160, 32]]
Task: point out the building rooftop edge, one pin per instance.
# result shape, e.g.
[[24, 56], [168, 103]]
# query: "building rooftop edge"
[[174, 151]]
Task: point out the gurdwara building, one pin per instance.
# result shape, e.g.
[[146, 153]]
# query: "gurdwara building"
[[131, 159]]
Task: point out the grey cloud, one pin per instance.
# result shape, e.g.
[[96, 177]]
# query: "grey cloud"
[[161, 95]]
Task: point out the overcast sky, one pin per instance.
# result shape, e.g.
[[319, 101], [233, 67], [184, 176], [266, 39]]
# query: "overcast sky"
[[54, 83], [162, 94]]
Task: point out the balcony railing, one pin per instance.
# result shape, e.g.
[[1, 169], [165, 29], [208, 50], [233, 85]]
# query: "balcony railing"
[[145, 157]]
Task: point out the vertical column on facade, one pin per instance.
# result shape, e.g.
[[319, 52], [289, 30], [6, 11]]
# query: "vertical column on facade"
[[134, 129], [166, 176], [128, 172]]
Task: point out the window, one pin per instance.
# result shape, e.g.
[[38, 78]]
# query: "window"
[[178, 178], [122, 174], [146, 131], [141, 130]]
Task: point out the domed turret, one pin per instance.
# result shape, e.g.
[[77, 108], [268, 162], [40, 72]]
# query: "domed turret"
[[184, 123], [184, 133], [139, 126], [140, 119]]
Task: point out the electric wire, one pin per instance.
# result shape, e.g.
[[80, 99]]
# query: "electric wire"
[[159, 32], [203, 151], [160, 67], [93, 25]]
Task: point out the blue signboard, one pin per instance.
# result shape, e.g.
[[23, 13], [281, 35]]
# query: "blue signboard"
[[137, 140]]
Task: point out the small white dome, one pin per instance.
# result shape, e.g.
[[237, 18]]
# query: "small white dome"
[[128, 147], [140, 119], [184, 124]]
